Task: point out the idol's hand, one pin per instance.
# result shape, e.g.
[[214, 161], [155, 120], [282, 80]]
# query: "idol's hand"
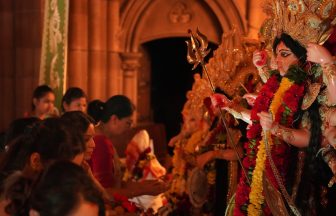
[[250, 98], [259, 58], [266, 120], [220, 101], [204, 158], [330, 135], [318, 54]]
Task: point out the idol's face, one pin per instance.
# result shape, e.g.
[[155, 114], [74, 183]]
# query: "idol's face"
[[284, 58]]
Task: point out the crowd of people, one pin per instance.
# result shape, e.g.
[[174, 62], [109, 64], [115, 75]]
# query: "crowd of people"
[[66, 164]]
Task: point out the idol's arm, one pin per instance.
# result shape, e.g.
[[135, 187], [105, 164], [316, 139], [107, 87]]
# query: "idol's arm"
[[240, 113], [329, 71], [296, 137]]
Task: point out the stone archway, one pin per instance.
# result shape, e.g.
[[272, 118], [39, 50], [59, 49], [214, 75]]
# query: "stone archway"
[[143, 21]]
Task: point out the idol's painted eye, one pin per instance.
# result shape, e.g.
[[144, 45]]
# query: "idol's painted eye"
[[285, 54]]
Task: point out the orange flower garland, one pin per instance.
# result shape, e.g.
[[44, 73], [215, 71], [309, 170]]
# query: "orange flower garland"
[[256, 195], [285, 101]]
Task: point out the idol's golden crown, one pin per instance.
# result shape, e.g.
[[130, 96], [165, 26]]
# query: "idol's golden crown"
[[307, 21]]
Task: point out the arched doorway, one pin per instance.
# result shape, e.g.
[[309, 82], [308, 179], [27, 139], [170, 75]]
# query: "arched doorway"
[[171, 77], [152, 43]]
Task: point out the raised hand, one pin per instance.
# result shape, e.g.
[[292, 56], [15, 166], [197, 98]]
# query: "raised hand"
[[318, 54], [220, 101], [250, 98], [259, 58]]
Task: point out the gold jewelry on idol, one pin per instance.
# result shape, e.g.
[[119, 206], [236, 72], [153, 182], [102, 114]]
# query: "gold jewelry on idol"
[[306, 21]]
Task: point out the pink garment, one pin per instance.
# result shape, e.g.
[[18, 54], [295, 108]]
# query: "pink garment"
[[102, 161]]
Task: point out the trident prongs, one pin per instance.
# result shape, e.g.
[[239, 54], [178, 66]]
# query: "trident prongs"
[[197, 51]]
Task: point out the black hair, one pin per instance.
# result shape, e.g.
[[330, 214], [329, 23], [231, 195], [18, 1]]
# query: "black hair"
[[55, 140], [315, 171], [299, 51], [72, 94], [18, 127], [40, 92], [58, 190], [78, 120], [95, 109], [50, 138], [118, 105], [61, 188]]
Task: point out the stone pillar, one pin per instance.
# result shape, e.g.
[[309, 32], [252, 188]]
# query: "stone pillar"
[[130, 67], [77, 73], [114, 75], [255, 18], [7, 75], [28, 40], [97, 49]]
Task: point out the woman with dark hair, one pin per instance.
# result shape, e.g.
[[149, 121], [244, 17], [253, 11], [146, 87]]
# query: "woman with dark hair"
[[74, 99], [18, 127], [95, 108], [43, 102], [65, 189], [85, 124], [43, 143], [116, 118]]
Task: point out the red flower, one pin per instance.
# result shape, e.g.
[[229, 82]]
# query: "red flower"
[[291, 100], [254, 131], [119, 198], [130, 207]]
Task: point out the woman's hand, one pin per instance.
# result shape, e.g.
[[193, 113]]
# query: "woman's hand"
[[147, 187], [266, 120], [318, 54]]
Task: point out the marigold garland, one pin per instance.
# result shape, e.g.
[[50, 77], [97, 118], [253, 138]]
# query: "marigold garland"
[[261, 104], [278, 96], [256, 195], [285, 103]]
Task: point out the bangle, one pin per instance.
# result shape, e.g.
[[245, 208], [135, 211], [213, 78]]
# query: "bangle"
[[329, 70], [328, 154], [275, 130]]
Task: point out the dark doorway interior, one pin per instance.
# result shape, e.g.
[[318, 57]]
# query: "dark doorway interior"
[[171, 78]]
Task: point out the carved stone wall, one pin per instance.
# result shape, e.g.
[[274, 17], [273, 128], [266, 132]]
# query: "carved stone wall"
[[104, 47], [142, 21]]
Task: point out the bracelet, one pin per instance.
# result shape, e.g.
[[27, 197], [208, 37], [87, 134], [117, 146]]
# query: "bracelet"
[[329, 70], [328, 154], [275, 130]]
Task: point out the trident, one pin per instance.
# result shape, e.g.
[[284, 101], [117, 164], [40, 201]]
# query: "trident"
[[197, 50]]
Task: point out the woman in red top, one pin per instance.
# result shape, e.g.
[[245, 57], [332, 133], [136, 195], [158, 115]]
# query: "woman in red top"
[[115, 117]]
